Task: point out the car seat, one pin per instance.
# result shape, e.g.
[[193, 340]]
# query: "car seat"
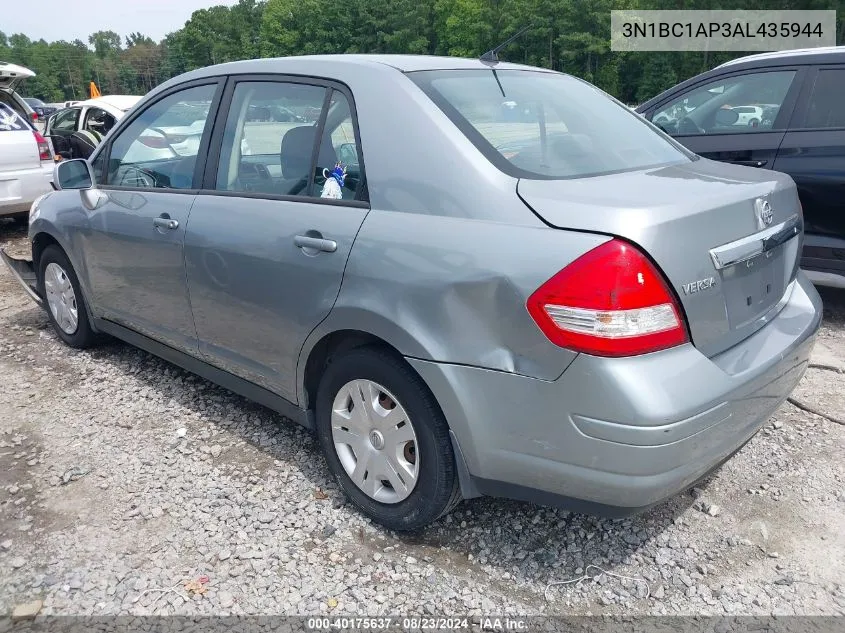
[[295, 158], [82, 144]]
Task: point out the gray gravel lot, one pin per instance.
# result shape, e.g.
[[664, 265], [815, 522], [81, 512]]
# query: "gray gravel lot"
[[129, 486]]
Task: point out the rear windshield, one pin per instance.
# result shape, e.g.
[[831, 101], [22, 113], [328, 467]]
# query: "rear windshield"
[[11, 121], [546, 125]]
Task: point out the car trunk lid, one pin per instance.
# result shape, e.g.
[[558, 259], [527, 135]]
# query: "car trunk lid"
[[727, 238], [11, 75]]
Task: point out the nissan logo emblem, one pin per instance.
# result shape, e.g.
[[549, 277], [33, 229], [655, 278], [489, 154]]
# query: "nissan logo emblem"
[[765, 215]]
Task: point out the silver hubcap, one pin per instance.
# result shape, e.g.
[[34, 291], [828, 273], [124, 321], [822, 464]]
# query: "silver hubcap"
[[61, 298], [375, 441]]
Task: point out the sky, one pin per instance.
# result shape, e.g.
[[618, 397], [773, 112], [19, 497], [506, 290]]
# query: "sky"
[[77, 19]]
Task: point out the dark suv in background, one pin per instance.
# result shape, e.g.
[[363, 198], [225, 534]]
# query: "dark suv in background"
[[783, 111]]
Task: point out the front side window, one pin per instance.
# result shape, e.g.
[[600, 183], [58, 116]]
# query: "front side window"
[[732, 105], [65, 121], [268, 143], [98, 121], [158, 150], [546, 125], [826, 106]]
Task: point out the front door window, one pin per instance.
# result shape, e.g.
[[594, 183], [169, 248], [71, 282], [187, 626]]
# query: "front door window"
[[733, 105], [158, 150]]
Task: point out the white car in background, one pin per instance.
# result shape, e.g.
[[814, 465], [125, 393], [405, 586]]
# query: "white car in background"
[[26, 163], [94, 117], [749, 116]]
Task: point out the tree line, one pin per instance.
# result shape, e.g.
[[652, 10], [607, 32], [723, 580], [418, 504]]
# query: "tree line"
[[572, 36]]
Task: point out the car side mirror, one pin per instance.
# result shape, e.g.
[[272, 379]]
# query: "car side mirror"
[[73, 174]]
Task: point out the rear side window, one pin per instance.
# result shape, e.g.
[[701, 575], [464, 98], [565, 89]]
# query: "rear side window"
[[826, 106], [268, 143], [287, 139], [546, 125]]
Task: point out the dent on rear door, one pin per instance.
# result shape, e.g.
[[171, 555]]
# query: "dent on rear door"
[[255, 295]]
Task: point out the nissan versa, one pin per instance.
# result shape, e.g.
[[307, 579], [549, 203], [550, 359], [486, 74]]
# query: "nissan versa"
[[468, 277]]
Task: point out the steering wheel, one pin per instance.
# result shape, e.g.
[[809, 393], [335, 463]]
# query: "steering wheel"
[[687, 126], [139, 178], [262, 171]]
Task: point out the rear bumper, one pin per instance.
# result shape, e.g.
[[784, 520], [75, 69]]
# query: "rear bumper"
[[24, 272], [614, 436], [19, 189]]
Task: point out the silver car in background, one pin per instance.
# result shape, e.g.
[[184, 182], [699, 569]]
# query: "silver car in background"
[[467, 277]]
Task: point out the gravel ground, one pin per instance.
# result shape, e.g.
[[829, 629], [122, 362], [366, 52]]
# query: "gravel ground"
[[129, 486]]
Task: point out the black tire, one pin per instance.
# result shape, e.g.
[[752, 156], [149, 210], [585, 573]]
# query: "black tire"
[[83, 336], [436, 491]]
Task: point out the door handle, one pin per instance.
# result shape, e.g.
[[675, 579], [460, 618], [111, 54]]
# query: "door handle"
[[166, 223], [306, 242]]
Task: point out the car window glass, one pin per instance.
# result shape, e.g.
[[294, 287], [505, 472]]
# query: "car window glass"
[[158, 150], [739, 104], [538, 124], [97, 167], [65, 121], [826, 106], [338, 173], [268, 141], [7, 100], [11, 121], [98, 121]]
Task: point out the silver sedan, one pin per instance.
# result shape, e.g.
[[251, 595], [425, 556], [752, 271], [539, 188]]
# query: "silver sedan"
[[467, 277]]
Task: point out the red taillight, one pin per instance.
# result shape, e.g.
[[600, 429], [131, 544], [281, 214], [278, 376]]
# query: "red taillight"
[[33, 116], [43, 147], [611, 301]]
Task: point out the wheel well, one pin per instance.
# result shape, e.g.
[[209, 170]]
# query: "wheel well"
[[331, 345], [39, 243]]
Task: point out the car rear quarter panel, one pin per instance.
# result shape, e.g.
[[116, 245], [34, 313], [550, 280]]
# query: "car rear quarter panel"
[[454, 290]]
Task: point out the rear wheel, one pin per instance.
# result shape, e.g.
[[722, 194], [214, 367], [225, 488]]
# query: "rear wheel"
[[59, 287], [386, 440]]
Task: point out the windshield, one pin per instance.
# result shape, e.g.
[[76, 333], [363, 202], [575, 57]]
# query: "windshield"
[[546, 125]]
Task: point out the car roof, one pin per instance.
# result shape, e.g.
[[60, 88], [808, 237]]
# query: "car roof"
[[820, 55], [800, 56], [120, 102], [403, 63]]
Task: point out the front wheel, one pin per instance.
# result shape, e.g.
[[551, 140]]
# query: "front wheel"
[[65, 305], [386, 440]]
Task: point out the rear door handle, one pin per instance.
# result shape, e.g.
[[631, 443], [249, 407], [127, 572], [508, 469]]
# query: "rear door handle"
[[306, 242], [166, 223]]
